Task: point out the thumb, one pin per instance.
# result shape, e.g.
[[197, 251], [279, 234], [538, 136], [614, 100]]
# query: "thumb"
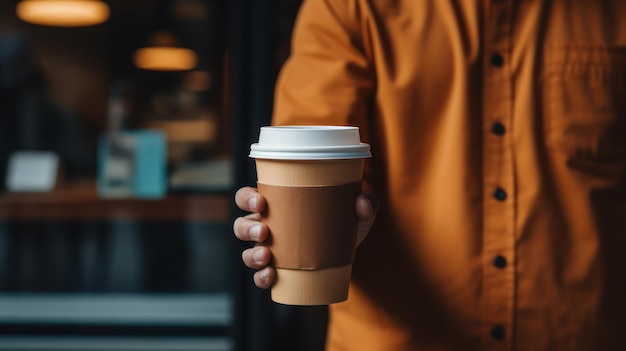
[[366, 209]]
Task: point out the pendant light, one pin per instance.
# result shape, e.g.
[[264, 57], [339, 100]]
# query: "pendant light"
[[163, 51], [63, 13]]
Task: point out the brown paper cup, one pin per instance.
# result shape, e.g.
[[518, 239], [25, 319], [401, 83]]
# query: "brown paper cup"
[[313, 224]]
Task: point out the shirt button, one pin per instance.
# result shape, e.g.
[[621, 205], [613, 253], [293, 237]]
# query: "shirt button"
[[496, 60], [499, 262], [498, 129], [497, 332], [499, 194]]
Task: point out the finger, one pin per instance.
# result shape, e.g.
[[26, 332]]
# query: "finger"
[[248, 199], [256, 257], [366, 209], [264, 278], [249, 228], [366, 206]]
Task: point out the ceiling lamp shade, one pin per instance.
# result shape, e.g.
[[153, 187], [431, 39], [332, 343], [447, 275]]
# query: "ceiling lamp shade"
[[63, 13], [163, 54]]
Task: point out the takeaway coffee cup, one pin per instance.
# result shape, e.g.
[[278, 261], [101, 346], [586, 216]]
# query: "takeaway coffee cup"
[[310, 177]]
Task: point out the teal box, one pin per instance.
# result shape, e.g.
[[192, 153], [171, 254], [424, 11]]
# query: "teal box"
[[132, 164]]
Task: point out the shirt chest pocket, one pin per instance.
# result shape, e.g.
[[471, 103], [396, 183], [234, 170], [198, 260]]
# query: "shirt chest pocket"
[[586, 87]]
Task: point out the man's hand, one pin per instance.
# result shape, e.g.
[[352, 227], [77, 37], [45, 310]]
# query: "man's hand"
[[250, 228]]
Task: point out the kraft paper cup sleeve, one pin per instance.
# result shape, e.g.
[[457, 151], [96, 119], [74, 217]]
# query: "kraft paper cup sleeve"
[[311, 228]]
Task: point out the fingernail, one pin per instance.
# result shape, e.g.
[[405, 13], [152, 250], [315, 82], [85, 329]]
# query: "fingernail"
[[255, 232], [252, 203], [258, 256]]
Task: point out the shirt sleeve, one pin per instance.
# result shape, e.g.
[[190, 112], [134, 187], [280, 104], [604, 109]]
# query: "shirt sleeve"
[[327, 79]]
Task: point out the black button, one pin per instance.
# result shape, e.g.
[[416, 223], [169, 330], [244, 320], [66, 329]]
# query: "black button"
[[499, 262], [499, 194], [496, 60], [498, 129], [497, 332]]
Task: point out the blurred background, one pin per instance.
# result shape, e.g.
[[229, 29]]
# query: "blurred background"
[[125, 128]]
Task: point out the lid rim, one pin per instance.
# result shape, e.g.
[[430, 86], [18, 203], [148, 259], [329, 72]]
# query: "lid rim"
[[308, 157], [305, 149], [308, 142]]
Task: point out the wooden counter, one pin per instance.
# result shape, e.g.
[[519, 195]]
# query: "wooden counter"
[[80, 201]]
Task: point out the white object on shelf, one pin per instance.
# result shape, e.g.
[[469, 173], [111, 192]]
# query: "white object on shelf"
[[32, 171]]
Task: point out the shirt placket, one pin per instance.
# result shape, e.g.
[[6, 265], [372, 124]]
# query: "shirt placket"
[[499, 193]]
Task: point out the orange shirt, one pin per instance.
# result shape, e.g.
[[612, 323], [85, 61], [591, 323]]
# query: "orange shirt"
[[498, 133]]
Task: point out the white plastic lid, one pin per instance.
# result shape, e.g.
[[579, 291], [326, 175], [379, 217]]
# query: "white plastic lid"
[[309, 143]]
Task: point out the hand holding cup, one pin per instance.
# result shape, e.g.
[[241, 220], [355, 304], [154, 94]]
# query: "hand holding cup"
[[310, 178], [250, 228]]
